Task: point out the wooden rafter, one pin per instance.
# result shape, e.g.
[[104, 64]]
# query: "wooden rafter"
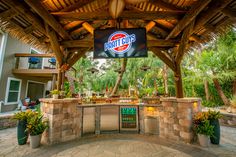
[[229, 12], [77, 5], [142, 23], [74, 58], [55, 45], [46, 55], [72, 24], [190, 16], [103, 15], [88, 27], [29, 29], [162, 22], [165, 5], [163, 57], [8, 14], [212, 10], [116, 7], [184, 42], [150, 25], [48, 18], [23, 11]]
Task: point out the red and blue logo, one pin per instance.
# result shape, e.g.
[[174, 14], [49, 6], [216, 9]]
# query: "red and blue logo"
[[119, 42]]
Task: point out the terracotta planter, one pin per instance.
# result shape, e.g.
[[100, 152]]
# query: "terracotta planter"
[[55, 96], [35, 141], [204, 140]]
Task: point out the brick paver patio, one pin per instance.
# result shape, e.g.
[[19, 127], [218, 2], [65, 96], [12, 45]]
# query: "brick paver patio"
[[118, 145]]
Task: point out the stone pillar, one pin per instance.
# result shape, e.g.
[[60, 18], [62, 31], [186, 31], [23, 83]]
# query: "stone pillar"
[[64, 117], [176, 119], [141, 119]]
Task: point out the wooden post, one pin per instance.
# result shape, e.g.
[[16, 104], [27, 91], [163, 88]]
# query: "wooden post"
[[62, 80], [59, 81], [53, 81], [178, 82]]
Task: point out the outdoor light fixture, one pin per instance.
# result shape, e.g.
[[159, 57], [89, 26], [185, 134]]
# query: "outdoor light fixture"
[[145, 68], [118, 70], [93, 70]]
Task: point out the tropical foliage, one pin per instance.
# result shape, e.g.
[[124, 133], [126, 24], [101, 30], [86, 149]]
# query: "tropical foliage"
[[36, 124], [209, 73]]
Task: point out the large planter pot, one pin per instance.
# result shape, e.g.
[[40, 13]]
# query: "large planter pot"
[[55, 96], [22, 136], [216, 135], [35, 140], [203, 140]]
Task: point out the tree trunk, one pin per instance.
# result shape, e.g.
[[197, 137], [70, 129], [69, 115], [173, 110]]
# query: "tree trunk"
[[165, 78], [220, 92], [206, 87], [119, 78], [234, 87]]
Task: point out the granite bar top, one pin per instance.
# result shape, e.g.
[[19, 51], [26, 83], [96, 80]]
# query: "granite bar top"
[[119, 104]]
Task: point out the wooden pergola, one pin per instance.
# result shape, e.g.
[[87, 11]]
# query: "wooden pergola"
[[65, 27]]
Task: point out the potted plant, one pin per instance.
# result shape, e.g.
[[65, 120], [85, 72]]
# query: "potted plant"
[[22, 117], [35, 127], [55, 93], [213, 117], [203, 128]]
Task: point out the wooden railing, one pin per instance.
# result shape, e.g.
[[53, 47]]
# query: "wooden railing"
[[27, 55]]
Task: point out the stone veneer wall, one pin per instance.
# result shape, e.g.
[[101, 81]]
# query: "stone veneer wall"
[[176, 118], [7, 122], [228, 119], [65, 120]]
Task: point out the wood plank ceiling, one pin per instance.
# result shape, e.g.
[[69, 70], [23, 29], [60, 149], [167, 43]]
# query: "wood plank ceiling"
[[69, 24]]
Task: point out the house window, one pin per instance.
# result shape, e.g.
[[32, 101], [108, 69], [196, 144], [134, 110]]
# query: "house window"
[[13, 91]]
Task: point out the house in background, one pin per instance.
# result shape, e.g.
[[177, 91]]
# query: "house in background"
[[24, 72]]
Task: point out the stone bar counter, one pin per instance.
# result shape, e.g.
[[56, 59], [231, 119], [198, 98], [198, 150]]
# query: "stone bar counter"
[[69, 120]]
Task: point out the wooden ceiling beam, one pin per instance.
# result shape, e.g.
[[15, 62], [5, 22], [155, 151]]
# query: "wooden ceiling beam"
[[212, 10], [77, 5], [142, 23], [116, 7], [126, 15], [89, 43], [74, 58], [29, 29], [165, 5], [150, 25], [165, 24], [73, 24], [162, 22], [8, 14], [29, 36], [55, 45], [48, 18], [22, 10], [229, 12], [88, 27], [162, 43], [159, 53], [184, 42], [190, 16]]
